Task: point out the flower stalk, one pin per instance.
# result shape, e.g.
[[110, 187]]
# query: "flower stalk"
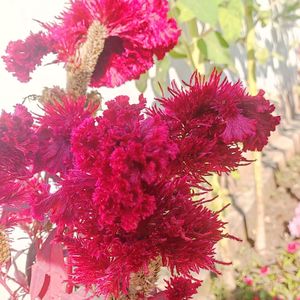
[[81, 67]]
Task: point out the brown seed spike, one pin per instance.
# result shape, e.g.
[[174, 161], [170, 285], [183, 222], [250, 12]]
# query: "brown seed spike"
[[80, 69]]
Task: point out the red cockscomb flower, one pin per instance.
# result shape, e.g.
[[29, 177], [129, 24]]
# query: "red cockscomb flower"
[[207, 119], [17, 135], [129, 154], [18, 146], [55, 129], [23, 56], [107, 256], [136, 30], [181, 288]]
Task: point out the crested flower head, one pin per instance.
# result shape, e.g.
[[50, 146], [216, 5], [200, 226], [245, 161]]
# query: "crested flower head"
[[55, 129], [208, 118], [134, 31], [181, 288], [17, 141], [132, 152], [106, 256], [23, 56]]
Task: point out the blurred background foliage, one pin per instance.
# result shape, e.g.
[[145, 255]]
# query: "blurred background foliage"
[[210, 28]]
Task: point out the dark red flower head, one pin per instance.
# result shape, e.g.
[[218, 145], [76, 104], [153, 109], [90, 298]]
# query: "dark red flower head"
[[127, 154], [55, 130], [208, 118], [18, 143], [181, 288], [23, 56]]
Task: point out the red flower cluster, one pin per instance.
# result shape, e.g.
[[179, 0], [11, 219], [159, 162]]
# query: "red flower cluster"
[[23, 56], [136, 31], [18, 146], [180, 288], [125, 179], [55, 129]]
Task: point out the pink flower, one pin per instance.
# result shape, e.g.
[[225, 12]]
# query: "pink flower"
[[55, 129], [248, 280], [181, 288], [136, 31], [264, 270], [293, 247], [23, 56]]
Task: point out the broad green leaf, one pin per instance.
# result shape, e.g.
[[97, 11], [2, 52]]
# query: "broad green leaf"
[[217, 49], [141, 83], [204, 10], [231, 20]]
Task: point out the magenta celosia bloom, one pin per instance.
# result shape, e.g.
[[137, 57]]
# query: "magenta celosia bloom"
[[207, 118], [129, 151], [17, 149], [136, 31], [180, 288], [55, 129], [18, 146], [24, 56], [122, 204], [17, 135], [106, 256]]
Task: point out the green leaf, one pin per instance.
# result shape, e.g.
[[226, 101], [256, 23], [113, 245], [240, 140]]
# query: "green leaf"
[[185, 13], [202, 49], [204, 10], [141, 83], [217, 49], [231, 20], [162, 71], [178, 51]]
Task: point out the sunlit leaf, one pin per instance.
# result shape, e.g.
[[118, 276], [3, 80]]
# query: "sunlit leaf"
[[217, 49], [231, 20], [141, 83], [162, 70], [204, 10]]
